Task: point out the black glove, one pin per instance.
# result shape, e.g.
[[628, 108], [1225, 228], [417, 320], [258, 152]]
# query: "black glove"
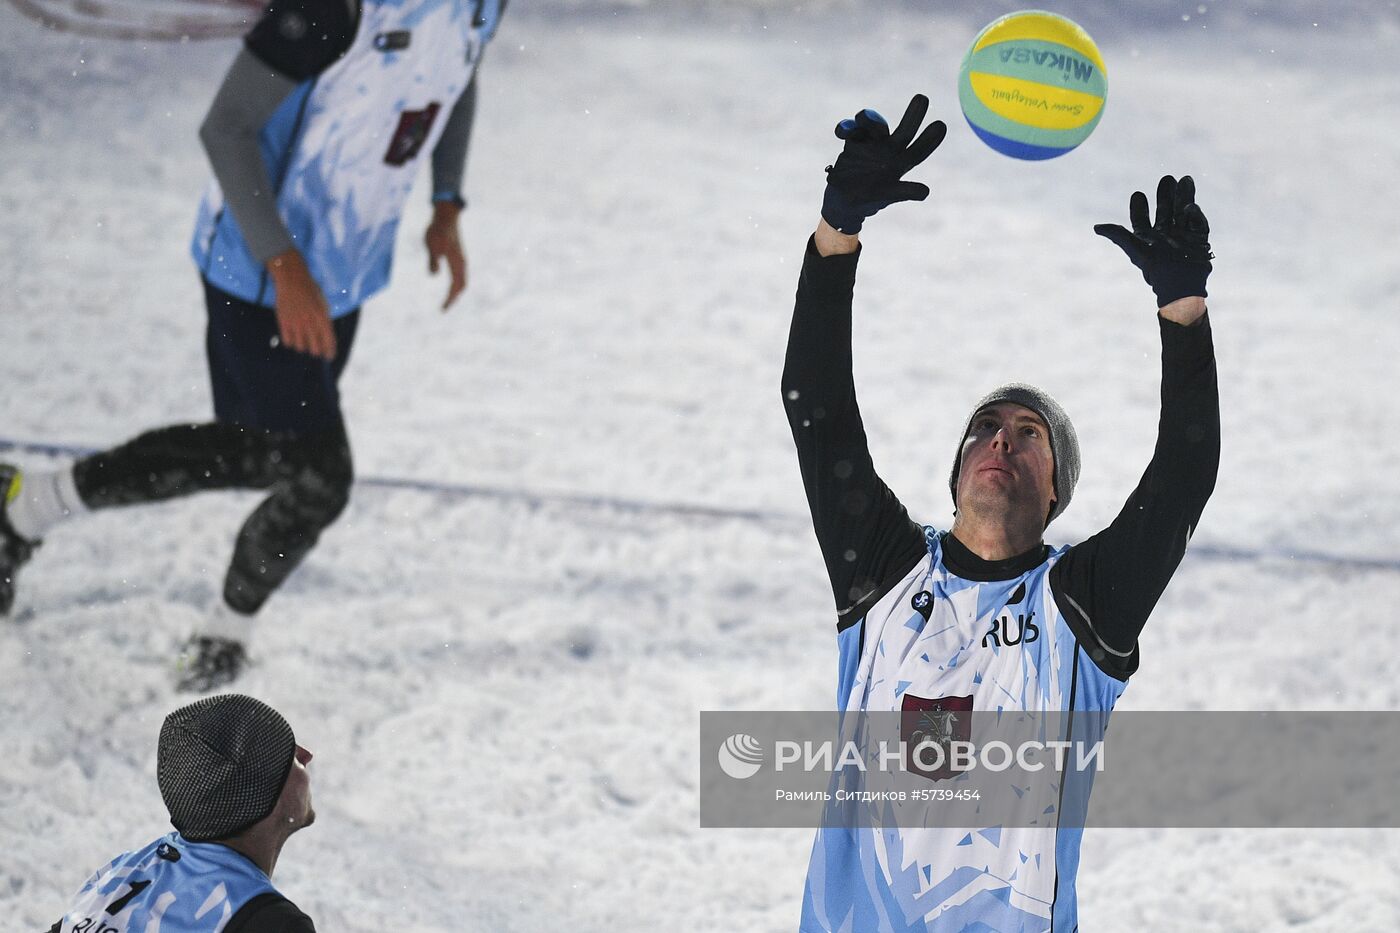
[[866, 175], [1174, 253]]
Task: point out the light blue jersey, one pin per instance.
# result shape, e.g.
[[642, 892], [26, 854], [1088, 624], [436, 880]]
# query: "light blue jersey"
[[936, 640], [343, 149], [170, 886]]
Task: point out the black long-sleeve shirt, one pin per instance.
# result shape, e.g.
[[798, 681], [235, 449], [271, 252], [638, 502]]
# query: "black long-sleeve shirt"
[[1105, 586]]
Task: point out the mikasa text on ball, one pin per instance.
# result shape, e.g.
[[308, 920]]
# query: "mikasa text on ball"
[[1033, 85]]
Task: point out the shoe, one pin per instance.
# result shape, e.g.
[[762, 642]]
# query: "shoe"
[[209, 662], [15, 551]]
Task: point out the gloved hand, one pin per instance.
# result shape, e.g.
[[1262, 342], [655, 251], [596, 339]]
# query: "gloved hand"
[[1174, 253], [866, 176]]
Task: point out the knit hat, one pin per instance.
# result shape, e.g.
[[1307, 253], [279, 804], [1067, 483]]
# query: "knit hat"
[[221, 764], [1064, 444]]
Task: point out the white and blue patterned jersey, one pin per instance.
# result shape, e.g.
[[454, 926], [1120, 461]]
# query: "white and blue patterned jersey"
[[342, 150], [923, 643], [170, 886], [924, 624]]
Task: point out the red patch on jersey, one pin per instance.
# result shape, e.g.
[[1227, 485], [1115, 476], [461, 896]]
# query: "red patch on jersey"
[[412, 132], [943, 721]]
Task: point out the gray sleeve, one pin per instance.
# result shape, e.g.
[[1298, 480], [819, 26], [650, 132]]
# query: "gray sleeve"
[[450, 154], [252, 91]]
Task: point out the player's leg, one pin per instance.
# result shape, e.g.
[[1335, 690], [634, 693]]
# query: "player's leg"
[[161, 464], [179, 460], [284, 528], [295, 398], [234, 452], [230, 453]]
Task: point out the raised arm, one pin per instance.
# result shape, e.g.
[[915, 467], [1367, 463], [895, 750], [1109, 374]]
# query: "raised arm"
[[866, 536], [1108, 585]]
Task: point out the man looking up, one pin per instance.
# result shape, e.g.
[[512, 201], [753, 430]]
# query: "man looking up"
[[236, 784], [930, 620]]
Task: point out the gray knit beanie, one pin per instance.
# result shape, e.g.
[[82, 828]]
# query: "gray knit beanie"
[[1064, 444], [221, 764]]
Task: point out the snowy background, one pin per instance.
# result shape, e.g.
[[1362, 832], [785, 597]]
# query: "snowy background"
[[502, 686]]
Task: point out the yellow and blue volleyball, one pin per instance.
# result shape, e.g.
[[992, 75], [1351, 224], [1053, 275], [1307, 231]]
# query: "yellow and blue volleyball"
[[1033, 85]]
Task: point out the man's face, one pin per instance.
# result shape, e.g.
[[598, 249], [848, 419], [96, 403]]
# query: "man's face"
[[293, 808], [1007, 465]]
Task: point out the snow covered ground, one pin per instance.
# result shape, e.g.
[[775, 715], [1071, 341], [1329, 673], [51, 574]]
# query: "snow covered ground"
[[502, 692]]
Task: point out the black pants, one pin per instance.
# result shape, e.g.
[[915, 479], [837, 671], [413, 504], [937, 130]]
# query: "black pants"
[[259, 383], [278, 427]]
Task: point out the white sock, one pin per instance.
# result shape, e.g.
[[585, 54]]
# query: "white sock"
[[223, 622], [44, 500]]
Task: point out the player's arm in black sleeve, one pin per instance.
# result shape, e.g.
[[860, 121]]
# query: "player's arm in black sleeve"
[[1108, 585], [269, 913], [866, 536], [293, 41], [450, 153]]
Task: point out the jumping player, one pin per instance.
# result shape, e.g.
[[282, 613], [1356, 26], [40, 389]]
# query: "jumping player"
[[315, 137]]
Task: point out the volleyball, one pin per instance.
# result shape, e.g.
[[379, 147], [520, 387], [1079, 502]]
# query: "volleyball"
[[1032, 85]]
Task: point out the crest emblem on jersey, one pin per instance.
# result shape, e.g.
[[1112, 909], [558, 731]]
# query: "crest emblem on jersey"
[[412, 132], [942, 721], [922, 603]]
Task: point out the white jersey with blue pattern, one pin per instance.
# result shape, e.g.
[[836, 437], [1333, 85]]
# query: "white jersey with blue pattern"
[[999, 880], [342, 150], [170, 886]]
